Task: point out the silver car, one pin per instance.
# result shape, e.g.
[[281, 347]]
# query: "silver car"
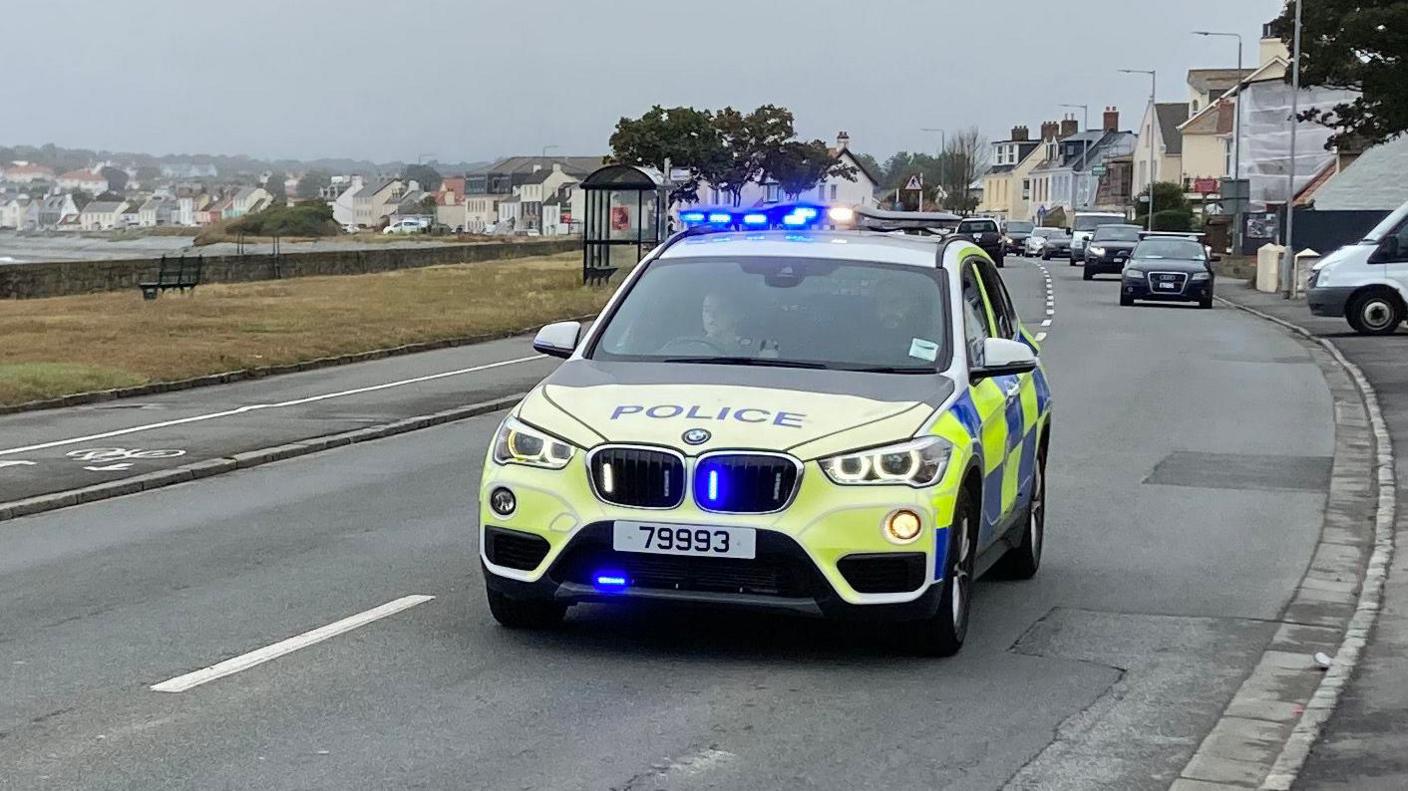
[[1048, 243]]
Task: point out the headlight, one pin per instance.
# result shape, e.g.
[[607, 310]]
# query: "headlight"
[[1039, 242], [1134, 273], [1201, 276], [918, 463], [519, 443], [1097, 251]]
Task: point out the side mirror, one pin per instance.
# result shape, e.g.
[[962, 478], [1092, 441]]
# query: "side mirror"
[[1002, 357], [1214, 258], [558, 340]]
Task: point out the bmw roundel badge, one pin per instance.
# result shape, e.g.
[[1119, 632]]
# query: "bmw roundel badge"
[[697, 436]]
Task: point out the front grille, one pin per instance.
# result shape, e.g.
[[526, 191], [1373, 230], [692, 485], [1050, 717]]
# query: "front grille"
[[745, 483], [638, 477], [514, 550], [772, 573], [1179, 279], [883, 573]]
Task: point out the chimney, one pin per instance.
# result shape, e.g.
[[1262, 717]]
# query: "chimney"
[[1020, 134], [1069, 126], [843, 141], [1112, 120], [1049, 130]]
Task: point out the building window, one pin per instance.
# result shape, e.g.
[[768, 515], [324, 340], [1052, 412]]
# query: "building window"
[[833, 192], [774, 193]]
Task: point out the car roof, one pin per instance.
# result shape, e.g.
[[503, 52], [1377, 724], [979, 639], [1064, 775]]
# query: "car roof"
[[840, 245]]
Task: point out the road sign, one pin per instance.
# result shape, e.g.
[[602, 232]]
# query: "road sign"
[[916, 183], [1098, 170], [1206, 186]]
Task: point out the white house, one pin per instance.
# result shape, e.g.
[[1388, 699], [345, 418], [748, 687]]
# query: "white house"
[[84, 179], [58, 209], [539, 186], [832, 190], [101, 215], [20, 213], [344, 204]]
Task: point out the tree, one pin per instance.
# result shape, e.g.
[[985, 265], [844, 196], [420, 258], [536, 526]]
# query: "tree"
[[748, 142], [1359, 45], [80, 198], [965, 158], [427, 205], [312, 183], [117, 179], [684, 136], [798, 167], [426, 176], [1172, 212], [274, 185], [148, 175]]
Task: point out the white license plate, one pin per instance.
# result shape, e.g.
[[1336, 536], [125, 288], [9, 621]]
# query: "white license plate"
[[1169, 286], [689, 540]]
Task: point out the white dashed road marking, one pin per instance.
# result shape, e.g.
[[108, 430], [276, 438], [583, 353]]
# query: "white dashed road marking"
[[283, 647], [1050, 301]]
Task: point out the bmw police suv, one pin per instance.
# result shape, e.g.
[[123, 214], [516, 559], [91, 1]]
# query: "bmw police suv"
[[770, 414]]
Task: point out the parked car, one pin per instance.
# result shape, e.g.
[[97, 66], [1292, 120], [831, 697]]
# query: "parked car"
[[1017, 234], [1167, 270], [1049, 243], [1366, 282], [984, 232], [1110, 246], [406, 227]]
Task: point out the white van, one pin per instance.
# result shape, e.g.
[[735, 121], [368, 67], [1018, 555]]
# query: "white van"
[[1366, 282], [1084, 227]]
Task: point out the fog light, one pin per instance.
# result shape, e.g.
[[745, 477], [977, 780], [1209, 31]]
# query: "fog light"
[[502, 501], [902, 526]]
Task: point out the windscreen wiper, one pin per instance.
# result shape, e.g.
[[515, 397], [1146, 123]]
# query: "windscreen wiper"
[[759, 361]]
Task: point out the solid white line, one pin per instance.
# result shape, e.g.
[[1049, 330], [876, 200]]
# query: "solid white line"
[[268, 653], [280, 405]]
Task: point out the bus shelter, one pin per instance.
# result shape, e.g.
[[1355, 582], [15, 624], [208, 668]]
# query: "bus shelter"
[[625, 218]]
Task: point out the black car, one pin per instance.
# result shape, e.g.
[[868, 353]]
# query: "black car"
[[1049, 242], [1110, 246], [983, 231], [1169, 270], [1017, 234]]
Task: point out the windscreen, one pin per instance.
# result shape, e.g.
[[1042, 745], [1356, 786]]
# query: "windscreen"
[[1089, 222], [1020, 227], [1049, 233], [787, 312], [1116, 233], [977, 226], [1181, 249]]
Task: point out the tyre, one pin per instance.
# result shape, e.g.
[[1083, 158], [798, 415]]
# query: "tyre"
[[1073, 261], [1024, 560], [1046, 256], [1126, 301], [522, 614], [1086, 274], [1205, 304], [1375, 312], [943, 633]]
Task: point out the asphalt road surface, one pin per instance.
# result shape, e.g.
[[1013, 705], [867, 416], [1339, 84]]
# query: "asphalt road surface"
[[1186, 478]]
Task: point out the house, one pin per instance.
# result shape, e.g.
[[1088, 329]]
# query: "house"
[[157, 210], [58, 209], [86, 179], [563, 211], [449, 203], [504, 176], [1071, 175], [374, 202], [537, 186], [856, 192], [246, 200], [1012, 162], [1372, 182], [101, 215], [510, 213], [1206, 86], [411, 204], [481, 211], [214, 210], [20, 212], [27, 173], [1159, 130], [130, 216], [341, 194]]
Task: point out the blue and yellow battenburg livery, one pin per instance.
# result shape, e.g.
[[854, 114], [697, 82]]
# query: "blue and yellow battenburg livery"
[[829, 493]]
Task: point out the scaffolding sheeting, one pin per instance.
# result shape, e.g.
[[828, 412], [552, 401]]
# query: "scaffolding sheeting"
[[1266, 138]]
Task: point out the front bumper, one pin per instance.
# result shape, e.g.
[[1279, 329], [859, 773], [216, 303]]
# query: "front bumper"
[[1192, 291], [1329, 300], [1109, 264], [808, 549]]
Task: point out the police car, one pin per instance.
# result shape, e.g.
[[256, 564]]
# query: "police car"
[[776, 415]]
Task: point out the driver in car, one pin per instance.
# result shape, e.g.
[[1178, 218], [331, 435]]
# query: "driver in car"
[[722, 319]]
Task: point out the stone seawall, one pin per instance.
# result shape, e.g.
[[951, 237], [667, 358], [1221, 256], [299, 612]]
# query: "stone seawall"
[[62, 278]]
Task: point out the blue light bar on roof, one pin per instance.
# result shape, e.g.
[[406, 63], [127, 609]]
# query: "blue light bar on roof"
[[692, 216], [720, 218], [755, 218]]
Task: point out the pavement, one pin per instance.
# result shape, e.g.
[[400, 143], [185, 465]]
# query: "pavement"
[[1187, 486], [1364, 747]]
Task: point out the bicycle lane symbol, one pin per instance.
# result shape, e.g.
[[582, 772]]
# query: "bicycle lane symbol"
[[118, 458]]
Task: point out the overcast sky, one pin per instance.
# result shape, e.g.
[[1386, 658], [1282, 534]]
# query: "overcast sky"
[[471, 80]]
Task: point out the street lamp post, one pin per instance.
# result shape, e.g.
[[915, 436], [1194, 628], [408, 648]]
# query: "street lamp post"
[[1153, 135], [1236, 139], [943, 158], [1288, 279], [1085, 148]]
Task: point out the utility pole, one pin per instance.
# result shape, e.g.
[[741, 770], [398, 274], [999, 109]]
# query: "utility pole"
[[1085, 149], [1236, 140], [1288, 279], [943, 163], [1153, 130]]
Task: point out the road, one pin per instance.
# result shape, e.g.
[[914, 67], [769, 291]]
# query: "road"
[[1187, 478], [17, 249]]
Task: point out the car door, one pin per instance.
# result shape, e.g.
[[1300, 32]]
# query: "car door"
[[1395, 260], [1020, 403], [990, 401]]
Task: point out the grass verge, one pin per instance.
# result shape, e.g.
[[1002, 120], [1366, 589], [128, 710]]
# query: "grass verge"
[[63, 345]]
